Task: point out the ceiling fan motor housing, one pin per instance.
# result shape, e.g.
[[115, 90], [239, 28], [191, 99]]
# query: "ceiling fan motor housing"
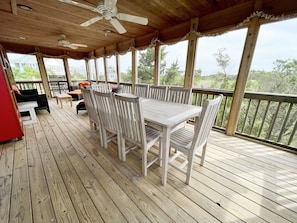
[[106, 11]]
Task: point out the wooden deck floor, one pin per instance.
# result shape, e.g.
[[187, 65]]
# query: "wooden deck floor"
[[58, 173]]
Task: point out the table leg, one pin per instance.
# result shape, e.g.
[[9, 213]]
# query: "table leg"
[[165, 153], [70, 101], [61, 103]]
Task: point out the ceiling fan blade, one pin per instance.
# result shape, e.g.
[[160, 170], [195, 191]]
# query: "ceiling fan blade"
[[91, 21], [132, 18], [72, 47], [118, 26], [78, 4], [79, 45], [110, 3]]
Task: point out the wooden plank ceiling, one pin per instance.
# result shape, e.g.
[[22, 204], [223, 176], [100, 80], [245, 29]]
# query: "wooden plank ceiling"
[[169, 20]]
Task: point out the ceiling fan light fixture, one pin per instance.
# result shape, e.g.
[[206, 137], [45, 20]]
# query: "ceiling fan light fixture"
[[24, 7]]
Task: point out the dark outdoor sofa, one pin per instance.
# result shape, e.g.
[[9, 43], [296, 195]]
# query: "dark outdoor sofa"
[[32, 95]]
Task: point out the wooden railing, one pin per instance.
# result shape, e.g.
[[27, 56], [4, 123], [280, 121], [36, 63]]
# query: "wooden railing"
[[56, 86], [270, 118], [267, 117]]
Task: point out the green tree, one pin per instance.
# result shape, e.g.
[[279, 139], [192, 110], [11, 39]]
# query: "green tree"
[[28, 73], [171, 76], [222, 80], [282, 79], [146, 65]]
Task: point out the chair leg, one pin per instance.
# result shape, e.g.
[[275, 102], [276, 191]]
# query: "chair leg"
[[160, 152], [189, 168], [104, 137], [121, 147], [203, 154], [144, 162]]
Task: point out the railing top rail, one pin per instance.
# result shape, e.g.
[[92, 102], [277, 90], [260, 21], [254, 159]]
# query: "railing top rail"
[[251, 95]]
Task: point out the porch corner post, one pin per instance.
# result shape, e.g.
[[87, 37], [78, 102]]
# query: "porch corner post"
[[191, 54], [246, 60], [43, 74]]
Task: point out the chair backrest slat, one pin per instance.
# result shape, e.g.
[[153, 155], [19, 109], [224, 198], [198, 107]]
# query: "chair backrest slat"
[[101, 87], [141, 90], [158, 92], [179, 95]]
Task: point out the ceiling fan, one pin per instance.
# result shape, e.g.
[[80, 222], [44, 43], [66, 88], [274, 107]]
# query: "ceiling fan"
[[65, 43], [108, 10]]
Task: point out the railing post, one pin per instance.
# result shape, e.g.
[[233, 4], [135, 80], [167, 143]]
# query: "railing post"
[[242, 77]]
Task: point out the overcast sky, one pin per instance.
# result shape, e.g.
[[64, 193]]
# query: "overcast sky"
[[275, 41]]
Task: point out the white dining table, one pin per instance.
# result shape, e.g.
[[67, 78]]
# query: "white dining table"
[[165, 116]]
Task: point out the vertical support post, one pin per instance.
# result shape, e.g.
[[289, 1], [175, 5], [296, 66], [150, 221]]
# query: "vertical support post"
[[88, 69], [246, 60], [157, 64], [96, 70], [67, 72], [118, 69], [105, 68], [134, 69], [43, 74], [191, 54]]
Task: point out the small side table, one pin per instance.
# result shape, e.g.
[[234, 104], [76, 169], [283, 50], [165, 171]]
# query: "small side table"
[[61, 97], [28, 107]]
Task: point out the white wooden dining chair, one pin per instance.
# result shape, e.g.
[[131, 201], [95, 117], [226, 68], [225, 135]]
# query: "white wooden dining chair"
[[179, 95], [95, 123], [133, 130], [141, 90], [157, 92], [107, 114], [188, 143]]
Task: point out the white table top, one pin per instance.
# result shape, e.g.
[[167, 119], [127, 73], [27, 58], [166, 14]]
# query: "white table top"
[[63, 95], [168, 114]]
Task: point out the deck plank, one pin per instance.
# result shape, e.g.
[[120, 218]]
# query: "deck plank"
[[6, 175], [42, 206], [59, 173], [20, 195]]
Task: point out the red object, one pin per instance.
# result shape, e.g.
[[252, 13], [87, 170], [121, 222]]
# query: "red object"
[[84, 84], [10, 118]]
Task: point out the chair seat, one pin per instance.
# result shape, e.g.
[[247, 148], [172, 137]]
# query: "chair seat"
[[182, 137], [152, 135]]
